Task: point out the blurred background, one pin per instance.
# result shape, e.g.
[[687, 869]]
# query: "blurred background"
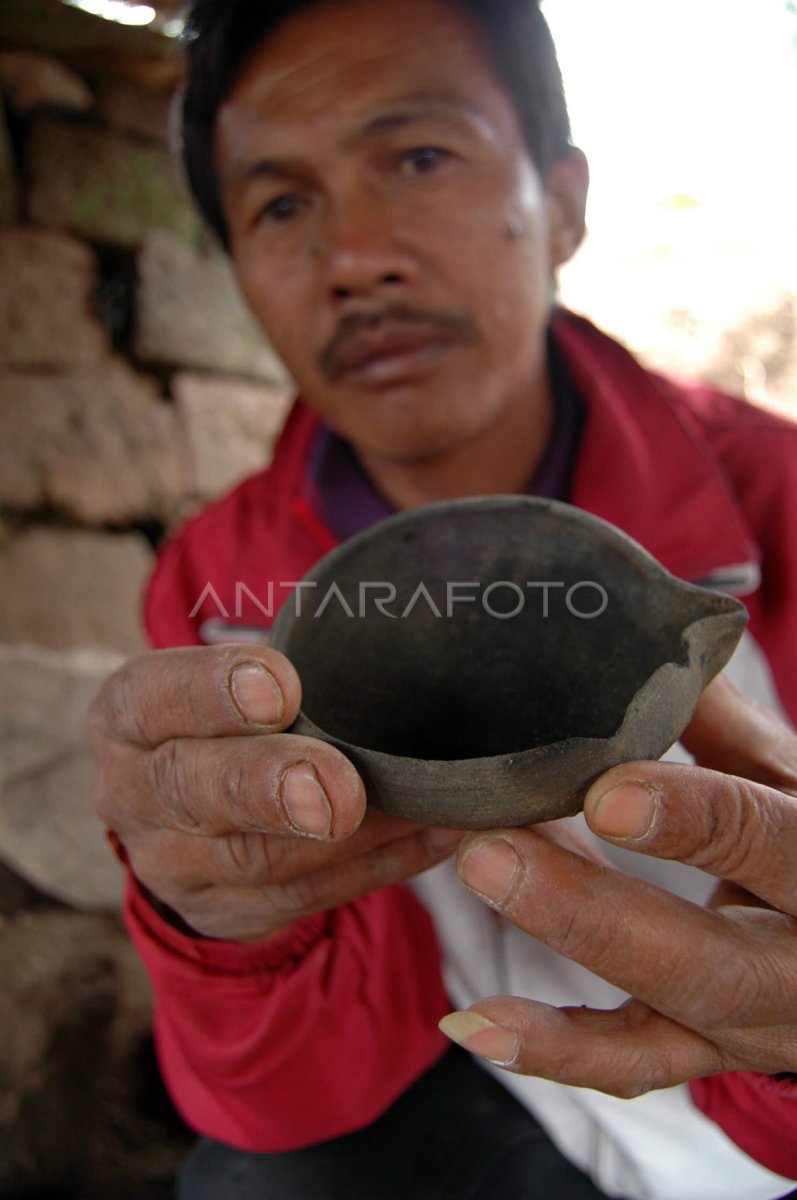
[[686, 112], [134, 388]]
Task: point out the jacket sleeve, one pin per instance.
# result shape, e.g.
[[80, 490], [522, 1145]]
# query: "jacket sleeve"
[[306, 1036], [757, 1112]]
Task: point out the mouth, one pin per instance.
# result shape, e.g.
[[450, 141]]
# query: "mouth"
[[388, 356]]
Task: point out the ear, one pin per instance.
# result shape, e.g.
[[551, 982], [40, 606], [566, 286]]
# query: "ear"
[[566, 192]]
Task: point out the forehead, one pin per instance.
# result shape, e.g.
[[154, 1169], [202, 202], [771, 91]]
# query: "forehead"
[[340, 61]]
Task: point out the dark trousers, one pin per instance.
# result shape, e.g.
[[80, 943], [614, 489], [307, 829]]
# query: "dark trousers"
[[456, 1134]]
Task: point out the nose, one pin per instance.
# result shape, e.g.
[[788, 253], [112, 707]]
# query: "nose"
[[364, 248]]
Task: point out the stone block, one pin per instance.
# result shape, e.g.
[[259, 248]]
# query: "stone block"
[[68, 589], [49, 833], [190, 313], [98, 444], [10, 192], [229, 427], [131, 109], [33, 81], [104, 186], [46, 282]]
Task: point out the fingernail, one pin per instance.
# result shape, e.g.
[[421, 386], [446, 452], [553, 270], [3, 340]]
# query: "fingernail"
[[256, 694], [305, 802], [475, 1033], [627, 811], [443, 841], [490, 869]]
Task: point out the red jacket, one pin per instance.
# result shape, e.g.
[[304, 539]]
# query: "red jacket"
[[330, 1006]]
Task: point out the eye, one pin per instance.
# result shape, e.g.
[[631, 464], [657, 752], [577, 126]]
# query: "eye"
[[281, 208], [422, 159]]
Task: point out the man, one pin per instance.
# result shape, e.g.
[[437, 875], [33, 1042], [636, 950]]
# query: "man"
[[396, 188]]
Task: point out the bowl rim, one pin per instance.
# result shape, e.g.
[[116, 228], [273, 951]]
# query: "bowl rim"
[[609, 534]]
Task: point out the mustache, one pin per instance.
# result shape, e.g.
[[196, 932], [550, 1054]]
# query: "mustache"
[[453, 326]]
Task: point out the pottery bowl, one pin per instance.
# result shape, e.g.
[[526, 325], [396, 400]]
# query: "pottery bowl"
[[482, 661]]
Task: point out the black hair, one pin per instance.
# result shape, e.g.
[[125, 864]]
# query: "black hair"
[[222, 34]]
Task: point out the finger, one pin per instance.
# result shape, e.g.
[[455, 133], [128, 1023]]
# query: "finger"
[[167, 860], [698, 967], [248, 914], [626, 1052], [727, 894], [730, 733], [562, 833], [202, 692], [740, 831], [280, 783]]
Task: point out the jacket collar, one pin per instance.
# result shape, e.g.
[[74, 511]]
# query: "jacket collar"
[[645, 464]]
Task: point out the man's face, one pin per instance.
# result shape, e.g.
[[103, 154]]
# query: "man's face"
[[387, 224]]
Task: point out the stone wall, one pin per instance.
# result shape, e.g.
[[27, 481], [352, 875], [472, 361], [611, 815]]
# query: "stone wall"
[[134, 387]]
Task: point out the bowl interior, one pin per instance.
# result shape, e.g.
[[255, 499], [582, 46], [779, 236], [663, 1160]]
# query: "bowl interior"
[[523, 663]]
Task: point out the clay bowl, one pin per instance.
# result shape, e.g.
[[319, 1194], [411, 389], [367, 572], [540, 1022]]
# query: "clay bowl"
[[461, 708]]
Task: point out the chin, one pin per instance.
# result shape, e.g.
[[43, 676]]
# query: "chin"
[[417, 445], [412, 425]]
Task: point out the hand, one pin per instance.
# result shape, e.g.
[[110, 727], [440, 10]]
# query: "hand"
[[711, 989], [237, 827]]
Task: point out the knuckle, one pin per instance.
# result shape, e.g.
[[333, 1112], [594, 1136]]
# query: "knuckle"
[[246, 859], [622, 1073], [623, 1059], [586, 931], [753, 981], [635, 1072], [118, 711], [777, 842], [763, 1050], [235, 855], [303, 895], [735, 995], [115, 793], [288, 902], [734, 829], [770, 978], [234, 786], [168, 780]]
